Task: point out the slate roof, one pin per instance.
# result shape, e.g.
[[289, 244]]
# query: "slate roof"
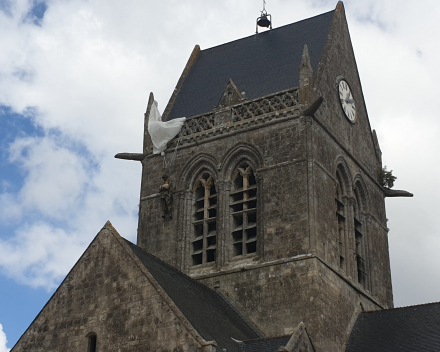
[[265, 345], [409, 329], [207, 311], [260, 64]]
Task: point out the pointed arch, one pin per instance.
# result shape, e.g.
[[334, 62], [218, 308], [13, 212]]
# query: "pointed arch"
[[342, 190], [237, 154], [195, 167], [240, 165], [360, 231], [343, 176], [204, 216], [360, 193]]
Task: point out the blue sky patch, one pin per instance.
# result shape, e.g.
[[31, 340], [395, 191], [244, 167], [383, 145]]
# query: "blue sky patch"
[[13, 126], [23, 306], [5, 6], [36, 14]]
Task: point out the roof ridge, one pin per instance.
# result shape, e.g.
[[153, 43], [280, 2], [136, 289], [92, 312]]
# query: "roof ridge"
[[200, 284], [399, 308], [274, 29], [65, 280], [163, 262]]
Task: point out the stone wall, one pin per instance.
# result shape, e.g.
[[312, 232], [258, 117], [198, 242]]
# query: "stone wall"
[[338, 142], [278, 296], [338, 61], [106, 294], [295, 159], [328, 155], [275, 148]]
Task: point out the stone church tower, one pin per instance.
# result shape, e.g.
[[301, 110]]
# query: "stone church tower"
[[261, 228], [276, 197]]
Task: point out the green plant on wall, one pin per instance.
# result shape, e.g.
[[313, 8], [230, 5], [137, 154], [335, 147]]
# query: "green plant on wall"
[[386, 178]]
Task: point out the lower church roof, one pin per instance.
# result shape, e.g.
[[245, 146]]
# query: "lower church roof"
[[415, 328], [207, 310]]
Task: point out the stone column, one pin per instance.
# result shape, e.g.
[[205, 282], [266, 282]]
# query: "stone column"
[[180, 239], [222, 203], [187, 230], [260, 215]]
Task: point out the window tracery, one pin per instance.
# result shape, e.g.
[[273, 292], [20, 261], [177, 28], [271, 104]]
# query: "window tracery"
[[204, 243], [360, 245], [243, 208], [341, 221], [350, 205]]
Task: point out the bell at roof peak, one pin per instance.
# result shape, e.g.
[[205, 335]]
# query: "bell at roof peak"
[[265, 20]]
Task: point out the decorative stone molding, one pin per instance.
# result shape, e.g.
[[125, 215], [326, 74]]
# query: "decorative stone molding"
[[240, 113]]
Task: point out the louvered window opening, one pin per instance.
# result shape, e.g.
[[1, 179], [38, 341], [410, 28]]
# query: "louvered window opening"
[[341, 231], [243, 206], [204, 244], [360, 261]]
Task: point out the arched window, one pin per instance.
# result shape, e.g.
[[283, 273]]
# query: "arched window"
[[360, 245], [92, 342], [243, 207], [204, 243], [341, 220]]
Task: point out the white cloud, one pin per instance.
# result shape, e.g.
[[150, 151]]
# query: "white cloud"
[[84, 76], [3, 340], [64, 201], [55, 178], [399, 75]]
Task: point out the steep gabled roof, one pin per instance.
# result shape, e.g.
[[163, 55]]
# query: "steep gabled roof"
[[415, 328], [203, 312], [206, 310], [260, 64]]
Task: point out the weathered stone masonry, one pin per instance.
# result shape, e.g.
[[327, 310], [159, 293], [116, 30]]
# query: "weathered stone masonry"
[[306, 268], [272, 205], [106, 293]]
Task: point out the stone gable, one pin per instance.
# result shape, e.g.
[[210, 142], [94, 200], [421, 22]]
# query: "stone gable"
[[107, 294]]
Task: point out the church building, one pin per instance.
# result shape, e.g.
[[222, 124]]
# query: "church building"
[[262, 226]]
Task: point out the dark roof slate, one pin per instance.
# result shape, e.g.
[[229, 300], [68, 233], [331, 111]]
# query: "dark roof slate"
[[415, 328], [265, 345], [207, 311], [260, 64]]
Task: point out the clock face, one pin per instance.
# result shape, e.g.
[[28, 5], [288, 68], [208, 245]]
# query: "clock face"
[[347, 102]]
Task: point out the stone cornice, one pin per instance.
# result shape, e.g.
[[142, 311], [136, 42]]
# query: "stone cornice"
[[256, 265]]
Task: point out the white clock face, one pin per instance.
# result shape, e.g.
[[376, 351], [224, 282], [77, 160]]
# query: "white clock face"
[[347, 102]]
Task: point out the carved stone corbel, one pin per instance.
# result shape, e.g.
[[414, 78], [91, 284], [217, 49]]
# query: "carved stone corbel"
[[130, 156], [313, 107], [395, 193]]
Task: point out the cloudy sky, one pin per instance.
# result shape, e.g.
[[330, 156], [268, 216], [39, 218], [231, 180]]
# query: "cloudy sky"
[[74, 82]]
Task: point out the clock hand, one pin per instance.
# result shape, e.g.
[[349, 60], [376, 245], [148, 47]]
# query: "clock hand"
[[350, 101]]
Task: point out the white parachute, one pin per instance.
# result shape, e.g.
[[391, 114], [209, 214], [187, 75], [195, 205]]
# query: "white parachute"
[[162, 132]]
